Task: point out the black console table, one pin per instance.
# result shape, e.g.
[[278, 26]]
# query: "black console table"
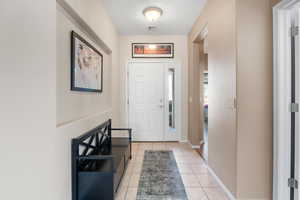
[[99, 162]]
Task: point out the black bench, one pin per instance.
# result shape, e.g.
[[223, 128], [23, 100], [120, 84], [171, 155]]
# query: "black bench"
[[99, 162]]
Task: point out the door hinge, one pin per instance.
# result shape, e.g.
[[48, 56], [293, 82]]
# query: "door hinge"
[[294, 31], [128, 101], [294, 107], [293, 183]]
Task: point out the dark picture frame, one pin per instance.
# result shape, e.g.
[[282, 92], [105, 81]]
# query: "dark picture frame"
[[159, 50], [75, 62]]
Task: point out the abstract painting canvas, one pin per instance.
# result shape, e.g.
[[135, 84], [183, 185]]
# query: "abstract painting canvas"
[[86, 65], [152, 50]]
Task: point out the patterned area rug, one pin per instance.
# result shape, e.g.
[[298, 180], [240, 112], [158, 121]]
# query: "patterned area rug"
[[160, 178]]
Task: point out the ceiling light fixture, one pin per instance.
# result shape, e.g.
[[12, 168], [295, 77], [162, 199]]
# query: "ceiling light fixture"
[[153, 13]]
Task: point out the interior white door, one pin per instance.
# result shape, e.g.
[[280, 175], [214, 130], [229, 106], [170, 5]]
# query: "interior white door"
[[286, 101], [146, 101]]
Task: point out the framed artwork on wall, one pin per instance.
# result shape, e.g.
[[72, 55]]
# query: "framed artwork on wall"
[[152, 50], [86, 65]]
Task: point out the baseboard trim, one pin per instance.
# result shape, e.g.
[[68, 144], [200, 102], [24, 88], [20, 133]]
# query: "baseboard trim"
[[226, 190], [193, 146], [202, 142], [183, 141]]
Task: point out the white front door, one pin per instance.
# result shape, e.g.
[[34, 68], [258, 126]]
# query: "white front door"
[[147, 101]]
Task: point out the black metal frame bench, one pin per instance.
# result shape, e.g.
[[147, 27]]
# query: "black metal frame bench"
[[99, 162]]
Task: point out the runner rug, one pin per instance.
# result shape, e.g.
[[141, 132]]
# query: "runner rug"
[[160, 178]]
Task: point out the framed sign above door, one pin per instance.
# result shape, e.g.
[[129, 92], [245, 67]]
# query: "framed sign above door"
[[153, 50]]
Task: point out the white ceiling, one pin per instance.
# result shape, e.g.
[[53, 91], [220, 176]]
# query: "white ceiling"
[[178, 16]]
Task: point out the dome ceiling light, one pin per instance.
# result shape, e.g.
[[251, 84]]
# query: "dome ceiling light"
[[152, 13]]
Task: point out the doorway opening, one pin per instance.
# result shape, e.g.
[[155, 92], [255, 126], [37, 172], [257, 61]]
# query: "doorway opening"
[[154, 99], [204, 96], [199, 94], [204, 91]]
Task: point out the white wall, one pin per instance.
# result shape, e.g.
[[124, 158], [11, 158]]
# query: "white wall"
[[78, 112], [181, 56], [28, 143], [95, 15], [73, 105]]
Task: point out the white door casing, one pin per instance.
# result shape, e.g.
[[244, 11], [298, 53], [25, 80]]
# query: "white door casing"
[[295, 22], [282, 20]]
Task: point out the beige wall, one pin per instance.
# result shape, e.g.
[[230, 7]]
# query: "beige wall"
[[221, 67], [78, 112], [28, 143], [195, 116], [181, 55], [274, 2], [96, 17], [254, 94], [239, 64]]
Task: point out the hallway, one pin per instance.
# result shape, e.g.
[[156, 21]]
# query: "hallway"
[[74, 72], [199, 184]]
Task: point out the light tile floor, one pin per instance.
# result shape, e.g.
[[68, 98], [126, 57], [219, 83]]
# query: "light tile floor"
[[199, 184]]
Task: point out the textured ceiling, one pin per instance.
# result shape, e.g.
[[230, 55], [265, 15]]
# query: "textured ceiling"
[[178, 17]]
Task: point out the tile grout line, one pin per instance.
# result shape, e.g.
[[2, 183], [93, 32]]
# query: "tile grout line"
[[181, 151]]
